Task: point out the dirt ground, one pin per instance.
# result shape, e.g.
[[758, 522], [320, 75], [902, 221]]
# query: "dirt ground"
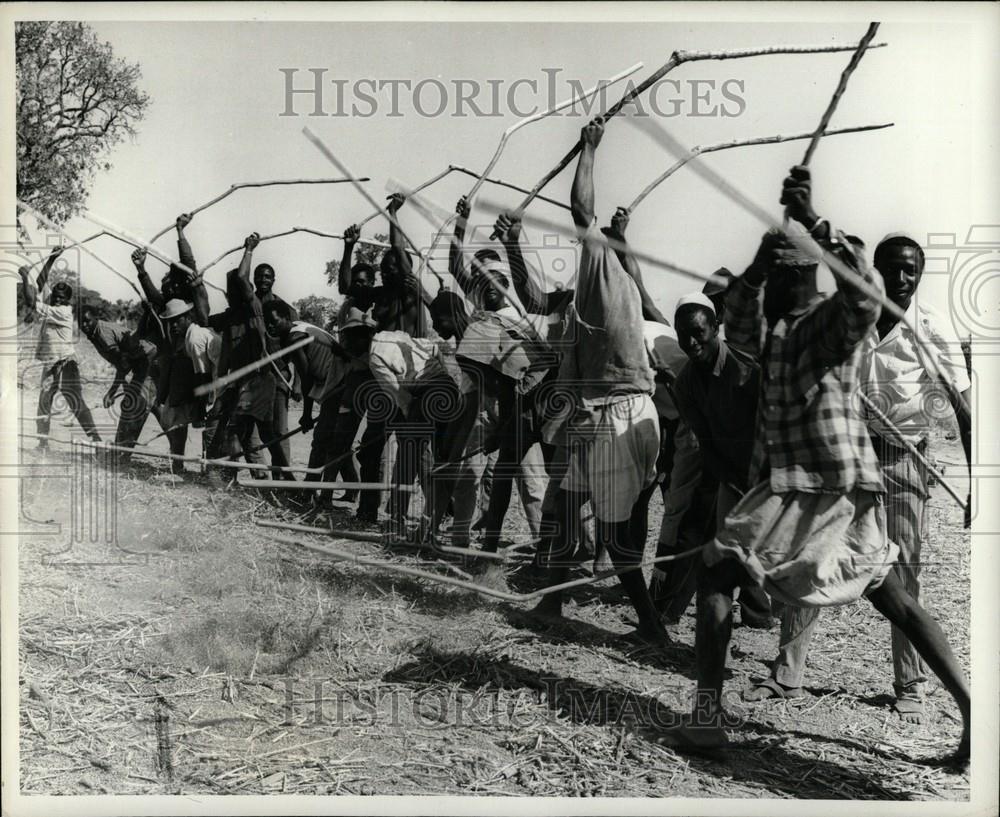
[[169, 645]]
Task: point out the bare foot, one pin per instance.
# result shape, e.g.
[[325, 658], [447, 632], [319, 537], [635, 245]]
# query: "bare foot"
[[910, 709]]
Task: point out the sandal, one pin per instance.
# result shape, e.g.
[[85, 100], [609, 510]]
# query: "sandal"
[[769, 689]]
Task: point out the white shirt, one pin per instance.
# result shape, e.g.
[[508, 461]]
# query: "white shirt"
[[899, 371], [399, 362], [203, 346], [664, 353], [55, 333]]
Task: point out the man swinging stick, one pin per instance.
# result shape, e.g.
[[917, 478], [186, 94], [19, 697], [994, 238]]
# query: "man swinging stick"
[[614, 433], [812, 530]]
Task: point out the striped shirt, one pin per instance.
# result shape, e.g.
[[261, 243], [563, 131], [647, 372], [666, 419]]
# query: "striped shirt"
[[811, 433]]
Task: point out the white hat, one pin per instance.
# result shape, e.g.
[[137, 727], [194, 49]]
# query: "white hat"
[[175, 307], [697, 298], [357, 318]]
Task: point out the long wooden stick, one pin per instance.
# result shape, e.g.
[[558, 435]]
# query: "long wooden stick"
[[502, 183], [911, 448], [346, 556], [321, 146], [283, 233], [426, 209], [283, 485], [528, 120], [700, 150], [279, 439], [805, 243], [233, 376], [242, 186], [676, 59], [381, 538], [432, 180], [52, 226], [824, 122]]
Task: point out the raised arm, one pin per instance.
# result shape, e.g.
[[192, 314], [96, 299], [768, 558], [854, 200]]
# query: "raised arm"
[[396, 241], [534, 300], [582, 195], [32, 289], [153, 295], [456, 265], [184, 252], [344, 280], [244, 287], [619, 223], [846, 318], [744, 319]]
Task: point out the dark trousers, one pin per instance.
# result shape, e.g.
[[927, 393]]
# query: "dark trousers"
[[698, 526], [63, 377], [138, 402]]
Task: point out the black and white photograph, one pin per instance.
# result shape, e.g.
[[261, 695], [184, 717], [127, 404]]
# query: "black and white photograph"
[[499, 408]]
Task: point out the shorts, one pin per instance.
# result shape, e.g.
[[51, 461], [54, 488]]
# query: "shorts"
[[613, 452]]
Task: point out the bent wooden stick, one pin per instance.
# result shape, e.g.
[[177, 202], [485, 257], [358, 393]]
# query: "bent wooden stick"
[[863, 46], [805, 243], [419, 187], [290, 231], [426, 209], [417, 573], [244, 185], [700, 150], [321, 146], [232, 377], [52, 226], [502, 183], [676, 59], [528, 120], [912, 449]]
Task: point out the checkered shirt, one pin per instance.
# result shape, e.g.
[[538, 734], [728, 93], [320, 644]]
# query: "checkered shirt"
[[811, 434]]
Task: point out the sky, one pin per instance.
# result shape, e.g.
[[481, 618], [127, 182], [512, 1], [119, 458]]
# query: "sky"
[[217, 92]]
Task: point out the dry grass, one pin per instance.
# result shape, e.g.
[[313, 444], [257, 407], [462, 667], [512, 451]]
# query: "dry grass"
[[220, 662]]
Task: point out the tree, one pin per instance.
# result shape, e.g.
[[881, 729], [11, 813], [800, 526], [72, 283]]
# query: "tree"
[[317, 310], [75, 101], [362, 252]]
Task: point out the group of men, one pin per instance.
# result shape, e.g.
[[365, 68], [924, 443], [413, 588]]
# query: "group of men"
[[744, 410]]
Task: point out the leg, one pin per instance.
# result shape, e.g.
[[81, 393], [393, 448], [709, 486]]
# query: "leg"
[[626, 550], [135, 407], [279, 422], [679, 580], [926, 635], [713, 630], [72, 389], [267, 430], [47, 392], [532, 480], [906, 508], [673, 586], [370, 456], [560, 548], [178, 442], [797, 627]]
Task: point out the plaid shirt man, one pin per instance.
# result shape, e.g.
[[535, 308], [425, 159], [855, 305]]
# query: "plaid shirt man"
[[811, 436]]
